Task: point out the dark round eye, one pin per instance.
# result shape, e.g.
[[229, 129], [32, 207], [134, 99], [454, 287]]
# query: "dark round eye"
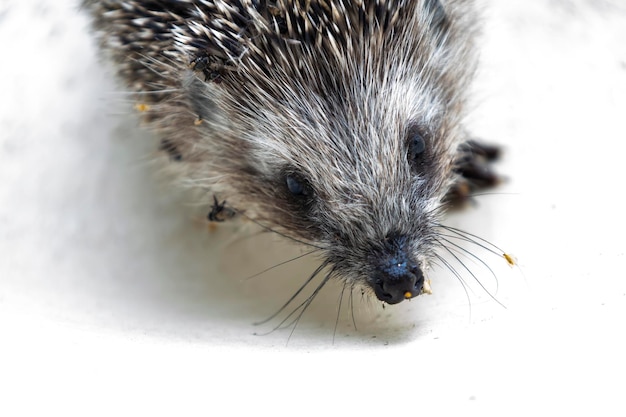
[[417, 146], [296, 186]]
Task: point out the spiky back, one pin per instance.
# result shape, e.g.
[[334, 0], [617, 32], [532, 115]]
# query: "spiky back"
[[324, 46]]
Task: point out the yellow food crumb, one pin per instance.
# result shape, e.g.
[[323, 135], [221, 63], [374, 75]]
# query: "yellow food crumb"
[[408, 295], [510, 259], [142, 107]]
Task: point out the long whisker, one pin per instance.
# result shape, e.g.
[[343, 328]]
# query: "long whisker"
[[141, 93], [484, 194], [473, 256], [343, 289], [469, 239], [458, 276], [281, 309], [472, 274], [302, 307], [472, 238], [269, 229], [281, 264], [308, 303], [352, 305]]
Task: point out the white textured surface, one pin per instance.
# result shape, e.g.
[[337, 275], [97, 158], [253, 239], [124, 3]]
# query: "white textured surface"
[[113, 300]]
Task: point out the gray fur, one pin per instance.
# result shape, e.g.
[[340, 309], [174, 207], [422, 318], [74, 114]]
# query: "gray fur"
[[249, 91]]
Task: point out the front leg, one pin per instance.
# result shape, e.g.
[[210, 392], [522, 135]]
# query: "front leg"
[[474, 171]]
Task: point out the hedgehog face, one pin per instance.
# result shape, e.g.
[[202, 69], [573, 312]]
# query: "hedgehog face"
[[363, 183], [345, 140], [333, 123]]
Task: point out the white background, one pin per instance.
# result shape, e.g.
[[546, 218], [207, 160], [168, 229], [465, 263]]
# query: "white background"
[[116, 300]]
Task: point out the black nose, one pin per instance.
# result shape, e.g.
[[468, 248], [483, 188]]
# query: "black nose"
[[397, 276], [395, 288]]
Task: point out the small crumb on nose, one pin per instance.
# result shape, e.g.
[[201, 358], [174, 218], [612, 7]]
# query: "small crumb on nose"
[[408, 295]]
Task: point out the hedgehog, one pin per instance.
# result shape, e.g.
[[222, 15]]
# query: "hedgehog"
[[336, 124]]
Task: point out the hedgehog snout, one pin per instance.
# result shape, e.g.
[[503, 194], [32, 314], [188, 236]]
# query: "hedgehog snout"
[[397, 276]]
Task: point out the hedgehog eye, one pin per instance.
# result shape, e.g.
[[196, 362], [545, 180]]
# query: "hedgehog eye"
[[417, 146], [296, 186]]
